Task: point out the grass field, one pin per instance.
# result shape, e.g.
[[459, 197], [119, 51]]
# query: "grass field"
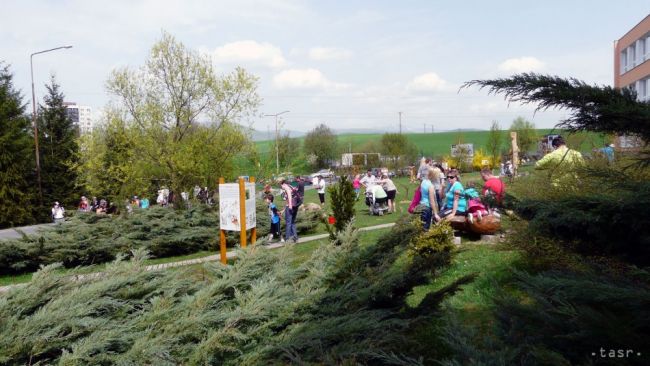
[[439, 143]]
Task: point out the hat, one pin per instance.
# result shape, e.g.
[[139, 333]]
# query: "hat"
[[612, 145], [56, 203]]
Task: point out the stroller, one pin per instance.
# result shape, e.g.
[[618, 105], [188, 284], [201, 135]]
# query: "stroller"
[[376, 207]]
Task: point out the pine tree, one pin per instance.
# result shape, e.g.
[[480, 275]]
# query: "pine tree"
[[15, 155], [342, 197], [59, 149]]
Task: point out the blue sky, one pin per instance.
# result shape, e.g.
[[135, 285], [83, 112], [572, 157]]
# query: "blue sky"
[[349, 64]]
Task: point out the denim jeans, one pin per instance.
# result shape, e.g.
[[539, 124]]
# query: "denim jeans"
[[425, 216], [290, 223]]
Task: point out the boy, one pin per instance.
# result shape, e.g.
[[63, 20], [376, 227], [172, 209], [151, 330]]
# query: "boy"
[[275, 219]]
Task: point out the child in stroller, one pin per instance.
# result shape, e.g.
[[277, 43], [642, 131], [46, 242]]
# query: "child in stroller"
[[376, 200]]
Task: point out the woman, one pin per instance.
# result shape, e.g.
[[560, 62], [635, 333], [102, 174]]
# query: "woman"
[[290, 211], [428, 199], [391, 191], [455, 201]]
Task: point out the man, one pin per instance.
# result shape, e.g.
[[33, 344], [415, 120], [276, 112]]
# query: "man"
[[560, 161], [493, 187], [368, 180]]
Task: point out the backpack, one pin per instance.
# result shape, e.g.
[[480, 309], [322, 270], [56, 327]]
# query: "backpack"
[[296, 197]]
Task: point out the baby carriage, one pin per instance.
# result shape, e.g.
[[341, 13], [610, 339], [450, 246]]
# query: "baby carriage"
[[377, 206]]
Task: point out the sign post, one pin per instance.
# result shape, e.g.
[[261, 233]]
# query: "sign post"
[[236, 212]]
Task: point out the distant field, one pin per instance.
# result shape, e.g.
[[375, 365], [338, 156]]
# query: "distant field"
[[439, 143]]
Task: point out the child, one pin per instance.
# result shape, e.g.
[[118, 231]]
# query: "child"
[[275, 219], [474, 205]]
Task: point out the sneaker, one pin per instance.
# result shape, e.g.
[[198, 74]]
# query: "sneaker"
[[470, 218], [270, 237], [496, 214], [295, 239], [479, 215], [282, 240]]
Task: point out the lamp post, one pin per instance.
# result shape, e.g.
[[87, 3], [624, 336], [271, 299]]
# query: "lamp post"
[[277, 149], [34, 124]]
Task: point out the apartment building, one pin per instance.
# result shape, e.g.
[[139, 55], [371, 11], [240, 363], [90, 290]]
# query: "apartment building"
[[632, 60], [81, 116], [632, 70]]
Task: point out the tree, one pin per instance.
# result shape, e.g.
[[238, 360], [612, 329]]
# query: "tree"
[[398, 148], [183, 115], [16, 155], [58, 149], [287, 149], [592, 108], [494, 142], [343, 200], [321, 144], [526, 135]]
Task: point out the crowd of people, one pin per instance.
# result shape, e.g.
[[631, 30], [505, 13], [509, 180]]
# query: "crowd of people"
[[441, 195]]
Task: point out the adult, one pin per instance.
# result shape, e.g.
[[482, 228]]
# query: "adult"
[[391, 191], [428, 199], [300, 185], [494, 188], [439, 183], [84, 205], [94, 204], [321, 189], [290, 211], [58, 212], [378, 197], [560, 162], [423, 170], [608, 151], [455, 201], [368, 180]]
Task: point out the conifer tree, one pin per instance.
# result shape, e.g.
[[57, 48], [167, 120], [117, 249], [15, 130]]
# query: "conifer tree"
[[58, 149], [15, 155]]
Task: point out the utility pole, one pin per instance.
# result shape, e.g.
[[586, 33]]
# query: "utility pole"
[[400, 123], [277, 148], [35, 124], [425, 128], [431, 128]]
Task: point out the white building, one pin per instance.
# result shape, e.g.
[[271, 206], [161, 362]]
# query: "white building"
[[81, 116]]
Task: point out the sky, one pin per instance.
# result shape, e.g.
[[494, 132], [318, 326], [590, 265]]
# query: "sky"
[[348, 64]]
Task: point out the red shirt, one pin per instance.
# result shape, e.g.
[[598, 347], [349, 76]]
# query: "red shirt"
[[495, 185]]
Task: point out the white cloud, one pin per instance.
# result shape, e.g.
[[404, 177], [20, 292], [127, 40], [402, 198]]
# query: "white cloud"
[[521, 64], [304, 79], [428, 82], [329, 53], [248, 51]]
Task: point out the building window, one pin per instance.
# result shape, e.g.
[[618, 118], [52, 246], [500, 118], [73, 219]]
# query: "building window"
[[631, 57], [623, 63]]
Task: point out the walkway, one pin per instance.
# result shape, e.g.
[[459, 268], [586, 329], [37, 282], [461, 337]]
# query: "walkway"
[[211, 258], [15, 233]]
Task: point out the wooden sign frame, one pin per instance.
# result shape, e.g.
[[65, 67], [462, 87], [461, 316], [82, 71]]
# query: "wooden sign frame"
[[242, 218]]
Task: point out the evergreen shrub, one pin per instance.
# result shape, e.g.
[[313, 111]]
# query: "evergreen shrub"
[[345, 305]]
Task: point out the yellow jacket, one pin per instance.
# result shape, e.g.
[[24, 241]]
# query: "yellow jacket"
[[560, 162]]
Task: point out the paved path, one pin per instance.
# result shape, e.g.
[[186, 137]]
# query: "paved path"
[[210, 258], [14, 233]]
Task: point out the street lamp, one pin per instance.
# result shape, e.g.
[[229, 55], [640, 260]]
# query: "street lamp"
[[35, 125], [277, 150]]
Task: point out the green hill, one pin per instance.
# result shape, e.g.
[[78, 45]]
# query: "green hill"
[[439, 143]]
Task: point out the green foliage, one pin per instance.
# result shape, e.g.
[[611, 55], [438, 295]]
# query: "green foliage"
[[436, 242], [526, 134], [321, 143], [261, 310], [399, 149], [565, 318], [16, 155], [92, 239], [495, 141], [342, 199], [607, 215], [160, 105], [59, 150], [592, 108]]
